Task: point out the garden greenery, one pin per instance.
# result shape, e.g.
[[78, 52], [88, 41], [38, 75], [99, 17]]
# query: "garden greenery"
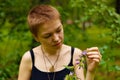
[[77, 17]]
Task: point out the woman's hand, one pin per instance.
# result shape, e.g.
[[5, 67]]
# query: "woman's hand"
[[93, 58]]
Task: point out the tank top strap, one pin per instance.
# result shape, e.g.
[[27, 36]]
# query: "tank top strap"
[[32, 56], [72, 52]]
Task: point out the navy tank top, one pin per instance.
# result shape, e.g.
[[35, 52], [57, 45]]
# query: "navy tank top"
[[40, 75]]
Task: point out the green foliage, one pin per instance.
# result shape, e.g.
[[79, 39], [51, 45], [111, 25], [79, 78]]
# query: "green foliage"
[[14, 36], [70, 77], [103, 31]]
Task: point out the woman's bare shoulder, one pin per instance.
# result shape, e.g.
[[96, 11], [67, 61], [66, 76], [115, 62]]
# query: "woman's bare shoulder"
[[26, 57], [76, 50], [77, 54]]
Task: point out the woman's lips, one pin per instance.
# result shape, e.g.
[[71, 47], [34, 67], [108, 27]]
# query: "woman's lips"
[[57, 44]]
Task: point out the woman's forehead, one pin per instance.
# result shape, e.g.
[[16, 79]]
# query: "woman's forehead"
[[50, 27]]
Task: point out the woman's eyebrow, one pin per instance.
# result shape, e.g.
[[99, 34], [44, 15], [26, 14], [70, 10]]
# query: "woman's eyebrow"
[[56, 29], [59, 27]]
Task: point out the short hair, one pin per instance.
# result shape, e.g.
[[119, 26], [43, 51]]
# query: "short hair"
[[40, 15]]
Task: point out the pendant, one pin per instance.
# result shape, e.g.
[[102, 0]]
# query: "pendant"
[[51, 69]]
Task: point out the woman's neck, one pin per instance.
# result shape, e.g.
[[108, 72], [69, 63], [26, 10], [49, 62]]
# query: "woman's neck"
[[50, 51]]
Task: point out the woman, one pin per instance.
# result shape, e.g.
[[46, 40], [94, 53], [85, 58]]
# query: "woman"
[[47, 61]]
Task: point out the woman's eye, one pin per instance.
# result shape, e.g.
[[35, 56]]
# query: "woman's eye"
[[47, 36]]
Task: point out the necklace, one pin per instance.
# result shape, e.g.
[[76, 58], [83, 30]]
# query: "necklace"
[[52, 68], [46, 68]]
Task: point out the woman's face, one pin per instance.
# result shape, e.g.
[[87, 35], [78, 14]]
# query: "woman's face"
[[51, 34]]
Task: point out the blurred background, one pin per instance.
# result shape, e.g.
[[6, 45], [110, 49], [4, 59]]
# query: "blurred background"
[[87, 23]]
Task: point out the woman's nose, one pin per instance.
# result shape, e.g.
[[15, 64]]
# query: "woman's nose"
[[55, 37]]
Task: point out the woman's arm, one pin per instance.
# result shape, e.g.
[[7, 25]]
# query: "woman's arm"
[[78, 71], [25, 67], [90, 75], [93, 57]]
